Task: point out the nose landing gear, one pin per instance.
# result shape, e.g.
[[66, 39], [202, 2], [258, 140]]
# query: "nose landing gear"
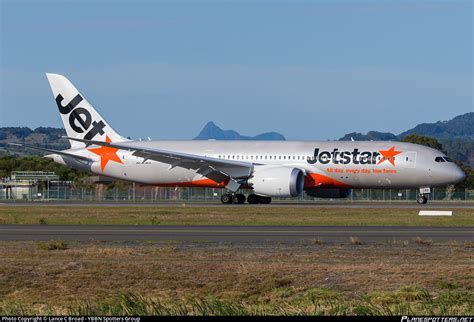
[[421, 199]]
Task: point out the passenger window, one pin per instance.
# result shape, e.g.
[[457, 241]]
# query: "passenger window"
[[439, 159]]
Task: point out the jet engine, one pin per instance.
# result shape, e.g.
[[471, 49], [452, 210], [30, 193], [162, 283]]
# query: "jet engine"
[[277, 181], [328, 192]]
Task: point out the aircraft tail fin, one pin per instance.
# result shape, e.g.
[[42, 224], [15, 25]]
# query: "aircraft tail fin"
[[79, 117]]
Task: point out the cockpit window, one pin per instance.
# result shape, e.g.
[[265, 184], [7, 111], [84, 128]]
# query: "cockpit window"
[[448, 159], [439, 159]]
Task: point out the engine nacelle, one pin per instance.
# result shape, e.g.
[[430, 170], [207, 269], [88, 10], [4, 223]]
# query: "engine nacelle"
[[328, 192], [276, 181]]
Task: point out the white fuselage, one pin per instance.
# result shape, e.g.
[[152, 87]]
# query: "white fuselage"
[[356, 164]]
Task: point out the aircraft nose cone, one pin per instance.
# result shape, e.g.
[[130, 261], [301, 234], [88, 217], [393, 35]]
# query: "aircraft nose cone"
[[459, 175]]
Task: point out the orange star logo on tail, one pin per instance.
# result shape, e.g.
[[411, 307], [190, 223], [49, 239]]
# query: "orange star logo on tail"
[[389, 155], [106, 154]]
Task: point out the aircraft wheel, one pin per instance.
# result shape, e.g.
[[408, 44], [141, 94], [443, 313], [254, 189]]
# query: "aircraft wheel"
[[421, 200], [226, 198], [238, 198], [264, 200], [253, 199]]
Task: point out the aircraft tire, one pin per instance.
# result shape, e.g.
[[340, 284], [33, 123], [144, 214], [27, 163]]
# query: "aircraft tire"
[[238, 198], [253, 199], [264, 200], [421, 200], [226, 198]]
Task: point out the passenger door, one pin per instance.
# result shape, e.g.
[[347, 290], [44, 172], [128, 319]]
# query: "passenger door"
[[409, 160]]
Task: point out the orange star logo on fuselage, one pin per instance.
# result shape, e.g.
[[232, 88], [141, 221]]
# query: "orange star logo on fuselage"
[[106, 154], [389, 155]]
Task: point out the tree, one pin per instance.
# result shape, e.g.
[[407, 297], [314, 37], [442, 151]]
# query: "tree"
[[35, 163], [469, 181], [423, 140]]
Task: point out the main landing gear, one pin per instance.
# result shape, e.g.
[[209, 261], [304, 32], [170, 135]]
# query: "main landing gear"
[[239, 198]]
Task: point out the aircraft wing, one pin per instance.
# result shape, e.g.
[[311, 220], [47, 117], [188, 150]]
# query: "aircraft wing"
[[75, 156], [216, 169]]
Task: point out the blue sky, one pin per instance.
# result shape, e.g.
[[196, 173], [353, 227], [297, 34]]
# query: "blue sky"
[[307, 69]]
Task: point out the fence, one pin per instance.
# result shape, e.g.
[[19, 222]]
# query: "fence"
[[62, 191]]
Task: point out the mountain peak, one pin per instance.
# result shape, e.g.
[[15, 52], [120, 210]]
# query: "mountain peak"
[[211, 125], [212, 131]]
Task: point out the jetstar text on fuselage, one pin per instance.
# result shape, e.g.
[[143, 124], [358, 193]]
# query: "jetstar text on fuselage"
[[346, 157]]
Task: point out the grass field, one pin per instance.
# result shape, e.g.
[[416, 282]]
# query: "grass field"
[[248, 216], [205, 278], [403, 277]]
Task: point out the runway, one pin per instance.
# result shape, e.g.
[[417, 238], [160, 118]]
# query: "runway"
[[232, 234]]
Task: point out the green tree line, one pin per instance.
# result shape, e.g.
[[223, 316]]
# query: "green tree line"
[[35, 163]]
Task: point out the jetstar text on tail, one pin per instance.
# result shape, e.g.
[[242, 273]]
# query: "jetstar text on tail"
[[82, 116], [355, 156]]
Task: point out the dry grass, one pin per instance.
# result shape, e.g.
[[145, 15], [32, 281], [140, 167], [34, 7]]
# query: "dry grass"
[[304, 278], [52, 245], [356, 241], [421, 241], [247, 215], [318, 241]]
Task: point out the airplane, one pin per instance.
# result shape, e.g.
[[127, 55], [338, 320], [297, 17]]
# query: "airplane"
[[324, 169]]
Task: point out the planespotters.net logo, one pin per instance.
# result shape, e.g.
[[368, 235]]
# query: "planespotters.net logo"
[[355, 156], [437, 319]]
